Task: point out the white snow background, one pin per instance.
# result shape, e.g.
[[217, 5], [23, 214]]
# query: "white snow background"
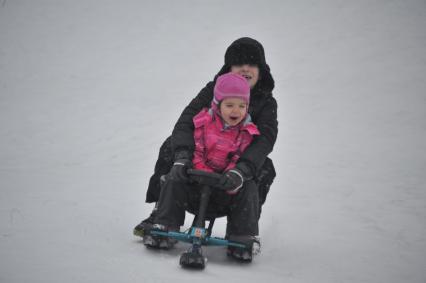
[[90, 89]]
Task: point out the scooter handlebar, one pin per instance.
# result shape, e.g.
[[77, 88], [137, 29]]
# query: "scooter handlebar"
[[204, 177]]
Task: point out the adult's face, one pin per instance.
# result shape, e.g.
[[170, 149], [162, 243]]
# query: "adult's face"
[[250, 72]]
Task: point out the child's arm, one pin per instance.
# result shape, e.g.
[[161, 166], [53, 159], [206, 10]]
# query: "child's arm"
[[246, 138], [199, 159], [233, 162]]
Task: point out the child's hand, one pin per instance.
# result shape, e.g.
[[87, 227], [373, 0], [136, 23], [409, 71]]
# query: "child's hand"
[[232, 181]]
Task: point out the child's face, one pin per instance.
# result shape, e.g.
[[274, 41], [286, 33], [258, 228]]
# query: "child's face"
[[250, 72], [233, 110]]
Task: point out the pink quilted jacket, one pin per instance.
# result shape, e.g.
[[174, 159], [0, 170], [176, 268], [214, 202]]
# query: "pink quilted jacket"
[[217, 149]]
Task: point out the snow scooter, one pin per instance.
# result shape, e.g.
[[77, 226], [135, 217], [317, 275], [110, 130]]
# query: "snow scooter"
[[198, 235]]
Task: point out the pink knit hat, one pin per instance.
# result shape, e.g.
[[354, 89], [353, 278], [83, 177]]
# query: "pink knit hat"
[[231, 85]]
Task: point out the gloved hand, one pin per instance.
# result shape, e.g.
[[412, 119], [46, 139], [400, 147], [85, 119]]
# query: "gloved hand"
[[179, 168], [232, 181]]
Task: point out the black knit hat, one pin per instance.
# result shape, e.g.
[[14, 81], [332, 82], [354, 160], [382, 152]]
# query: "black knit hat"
[[246, 50]]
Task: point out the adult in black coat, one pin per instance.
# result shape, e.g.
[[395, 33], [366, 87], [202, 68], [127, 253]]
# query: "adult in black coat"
[[253, 163]]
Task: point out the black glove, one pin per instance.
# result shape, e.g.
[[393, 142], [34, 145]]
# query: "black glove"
[[179, 168], [232, 181]]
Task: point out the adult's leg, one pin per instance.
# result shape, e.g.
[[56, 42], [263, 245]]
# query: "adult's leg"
[[243, 222], [172, 204], [162, 167], [170, 215], [244, 211]]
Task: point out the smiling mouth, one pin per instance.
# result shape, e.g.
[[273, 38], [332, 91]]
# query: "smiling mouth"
[[247, 77]]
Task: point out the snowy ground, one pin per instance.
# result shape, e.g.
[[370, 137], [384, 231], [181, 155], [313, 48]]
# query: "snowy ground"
[[90, 89]]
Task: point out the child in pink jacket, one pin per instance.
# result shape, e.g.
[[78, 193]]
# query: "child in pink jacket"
[[225, 130]]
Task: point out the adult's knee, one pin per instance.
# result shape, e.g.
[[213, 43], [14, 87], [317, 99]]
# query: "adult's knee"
[[249, 190], [173, 187], [250, 186]]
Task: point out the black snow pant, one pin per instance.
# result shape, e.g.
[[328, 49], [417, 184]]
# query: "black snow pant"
[[242, 209], [263, 179]]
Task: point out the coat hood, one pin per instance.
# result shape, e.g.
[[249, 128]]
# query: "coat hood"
[[246, 50]]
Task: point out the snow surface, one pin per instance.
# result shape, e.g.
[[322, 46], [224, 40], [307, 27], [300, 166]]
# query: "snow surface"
[[90, 89]]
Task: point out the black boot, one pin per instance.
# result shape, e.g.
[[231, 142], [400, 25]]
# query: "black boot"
[[246, 254], [153, 240], [146, 224]]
